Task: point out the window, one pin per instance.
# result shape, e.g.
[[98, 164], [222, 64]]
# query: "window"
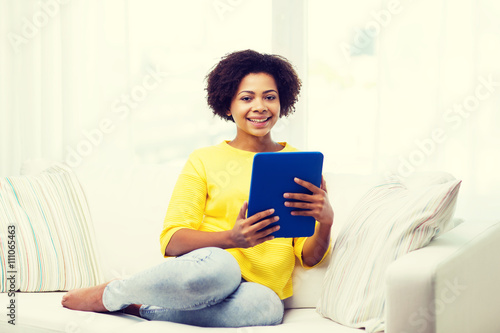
[[184, 41]]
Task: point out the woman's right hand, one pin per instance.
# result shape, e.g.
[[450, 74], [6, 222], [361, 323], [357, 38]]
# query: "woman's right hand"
[[247, 231]]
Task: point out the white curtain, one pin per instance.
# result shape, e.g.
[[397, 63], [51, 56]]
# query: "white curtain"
[[53, 83], [406, 86], [116, 81], [121, 81]]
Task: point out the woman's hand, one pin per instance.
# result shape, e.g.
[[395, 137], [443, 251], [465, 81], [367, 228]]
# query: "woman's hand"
[[316, 204], [247, 231]]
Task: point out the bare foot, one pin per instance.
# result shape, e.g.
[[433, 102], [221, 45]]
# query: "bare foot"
[[85, 299]]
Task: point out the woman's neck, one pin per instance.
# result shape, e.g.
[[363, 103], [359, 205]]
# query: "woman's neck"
[[257, 145]]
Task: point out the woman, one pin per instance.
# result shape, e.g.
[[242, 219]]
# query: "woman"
[[227, 271]]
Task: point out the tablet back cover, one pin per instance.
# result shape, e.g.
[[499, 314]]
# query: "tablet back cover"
[[272, 176]]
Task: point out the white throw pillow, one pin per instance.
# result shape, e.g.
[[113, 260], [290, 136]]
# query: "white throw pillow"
[[49, 238], [389, 221]]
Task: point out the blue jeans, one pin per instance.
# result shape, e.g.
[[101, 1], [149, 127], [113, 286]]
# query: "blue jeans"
[[202, 288]]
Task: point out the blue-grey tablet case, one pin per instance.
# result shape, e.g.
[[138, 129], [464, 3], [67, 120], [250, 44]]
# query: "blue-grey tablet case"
[[272, 176]]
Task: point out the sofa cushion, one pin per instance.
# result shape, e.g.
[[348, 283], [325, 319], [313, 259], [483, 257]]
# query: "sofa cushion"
[[42, 312], [393, 218], [49, 237], [128, 206]]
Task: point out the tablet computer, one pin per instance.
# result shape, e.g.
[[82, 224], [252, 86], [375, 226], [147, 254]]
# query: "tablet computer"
[[272, 176]]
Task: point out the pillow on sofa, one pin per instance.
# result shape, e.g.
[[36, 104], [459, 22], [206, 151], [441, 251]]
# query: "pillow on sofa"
[[46, 232], [389, 221]]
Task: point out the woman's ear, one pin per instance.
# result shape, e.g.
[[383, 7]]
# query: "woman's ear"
[[228, 113]]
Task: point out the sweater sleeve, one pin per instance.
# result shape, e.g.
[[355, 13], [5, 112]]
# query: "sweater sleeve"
[[298, 246], [187, 203]]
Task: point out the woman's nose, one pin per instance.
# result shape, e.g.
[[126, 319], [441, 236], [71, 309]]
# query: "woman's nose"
[[259, 105]]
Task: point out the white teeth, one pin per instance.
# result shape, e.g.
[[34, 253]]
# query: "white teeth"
[[258, 120]]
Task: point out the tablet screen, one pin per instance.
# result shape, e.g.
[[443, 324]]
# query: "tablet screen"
[[273, 175]]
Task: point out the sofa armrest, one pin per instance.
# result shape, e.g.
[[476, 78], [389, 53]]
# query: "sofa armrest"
[[451, 285]]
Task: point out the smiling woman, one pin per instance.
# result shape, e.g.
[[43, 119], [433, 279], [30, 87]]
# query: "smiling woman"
[[230, 263], [253, 90], [223, 81], [255, 109], [253, 95]]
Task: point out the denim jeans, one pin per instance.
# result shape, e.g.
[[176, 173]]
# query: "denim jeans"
[[202, 288]]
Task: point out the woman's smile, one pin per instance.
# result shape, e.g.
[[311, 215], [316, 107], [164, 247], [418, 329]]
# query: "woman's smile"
[[255, 108], [260, 122]]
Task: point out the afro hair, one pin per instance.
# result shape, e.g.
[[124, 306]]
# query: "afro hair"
[[224, 79]]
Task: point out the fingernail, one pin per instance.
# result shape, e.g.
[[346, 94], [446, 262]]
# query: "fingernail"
[[287, 203], [271, 210], [286, 195], [276, 218]]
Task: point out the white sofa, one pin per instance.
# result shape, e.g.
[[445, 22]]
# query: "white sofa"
[[128, 206]]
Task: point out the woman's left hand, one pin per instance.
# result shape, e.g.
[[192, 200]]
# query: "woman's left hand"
[[316, 204]]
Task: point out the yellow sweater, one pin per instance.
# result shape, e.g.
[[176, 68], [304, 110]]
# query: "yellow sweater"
[[208, 196]]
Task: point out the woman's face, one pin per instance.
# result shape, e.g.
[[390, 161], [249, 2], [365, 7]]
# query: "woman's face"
[[256, 105]]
